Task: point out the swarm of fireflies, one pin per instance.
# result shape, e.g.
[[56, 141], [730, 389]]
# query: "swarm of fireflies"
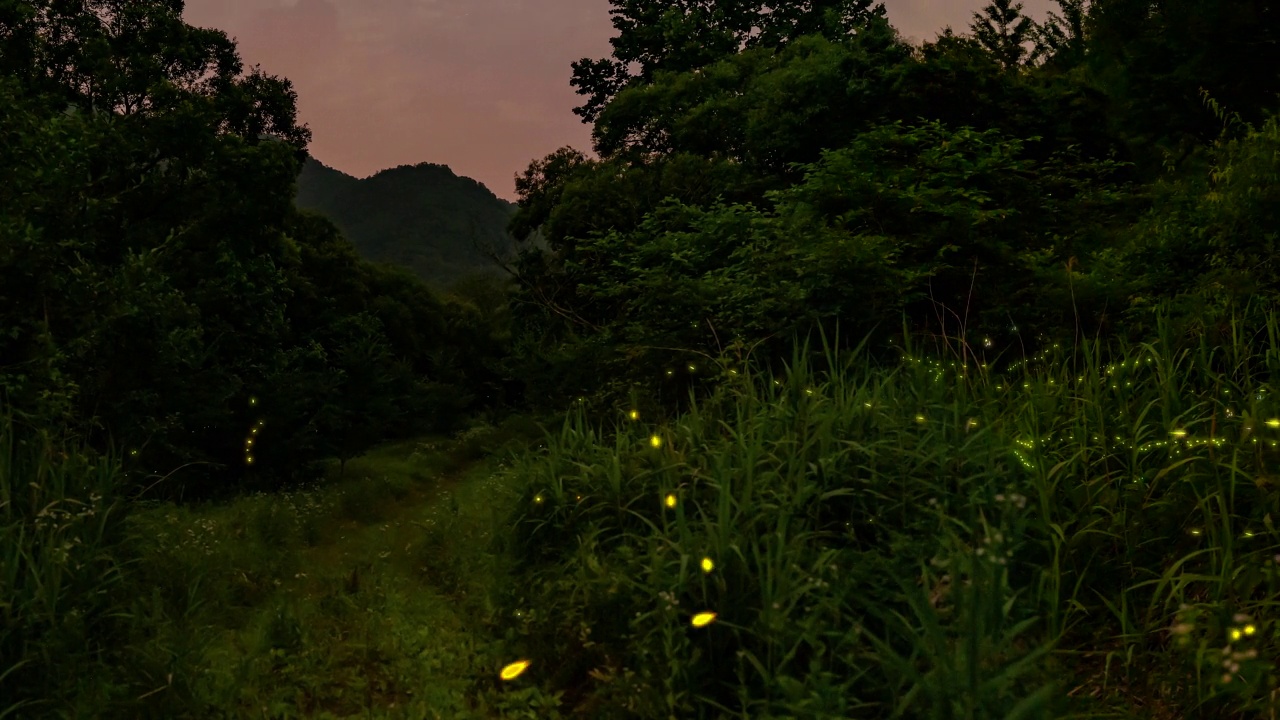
[[702, 619], [248, 442], [512, 671]]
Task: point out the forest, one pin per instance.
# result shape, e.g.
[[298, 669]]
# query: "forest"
[[851, 378]]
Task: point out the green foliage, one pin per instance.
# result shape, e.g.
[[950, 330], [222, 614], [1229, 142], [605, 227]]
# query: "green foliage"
[[61, 567], [163, 292], [707, 226], [902, 218], [660, 37], [1004, 31], [420, 217], [915, 542], [1208, 237], [888, 539], [1154, 60]]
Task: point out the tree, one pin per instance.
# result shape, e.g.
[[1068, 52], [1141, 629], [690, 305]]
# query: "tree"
[[1154, 59], [1061, 38], [142, 213], [688, 34], [1004, 31], [667, 236], [356, 412]]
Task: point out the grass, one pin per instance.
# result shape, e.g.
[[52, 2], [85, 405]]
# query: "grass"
[[1069, 539]]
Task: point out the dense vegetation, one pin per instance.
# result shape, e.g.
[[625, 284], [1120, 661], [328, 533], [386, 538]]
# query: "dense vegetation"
[[244, 473], [446, 229]]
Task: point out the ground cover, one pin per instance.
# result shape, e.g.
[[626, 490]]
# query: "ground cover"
[[1085, 536]]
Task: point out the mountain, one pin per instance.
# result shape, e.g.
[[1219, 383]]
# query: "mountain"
[[423, 217]]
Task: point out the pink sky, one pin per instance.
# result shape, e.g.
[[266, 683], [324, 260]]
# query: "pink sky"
[[479, 85]]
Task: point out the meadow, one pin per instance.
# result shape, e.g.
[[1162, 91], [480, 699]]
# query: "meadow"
[[1089, 534]]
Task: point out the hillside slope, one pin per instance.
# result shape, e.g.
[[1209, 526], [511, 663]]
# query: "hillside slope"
[[423, 217]]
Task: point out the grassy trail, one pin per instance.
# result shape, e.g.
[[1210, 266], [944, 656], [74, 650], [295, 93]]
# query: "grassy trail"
[[365, 596]]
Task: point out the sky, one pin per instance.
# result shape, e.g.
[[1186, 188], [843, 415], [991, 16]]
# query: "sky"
[[479, 85]]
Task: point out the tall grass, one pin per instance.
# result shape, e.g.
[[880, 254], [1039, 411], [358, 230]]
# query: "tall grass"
[[1089, 534], [61, 522], [930, 541]]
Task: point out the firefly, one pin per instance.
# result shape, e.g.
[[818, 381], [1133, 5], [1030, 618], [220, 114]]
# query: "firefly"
[[513, 671], [702, 619]]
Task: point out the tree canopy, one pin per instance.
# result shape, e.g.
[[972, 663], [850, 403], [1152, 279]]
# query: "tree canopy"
[[762, 171]]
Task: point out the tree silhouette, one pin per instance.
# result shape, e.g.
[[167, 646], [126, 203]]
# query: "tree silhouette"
[[1004, 31]]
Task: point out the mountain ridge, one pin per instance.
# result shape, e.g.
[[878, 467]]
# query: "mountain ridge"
[[422, 216]]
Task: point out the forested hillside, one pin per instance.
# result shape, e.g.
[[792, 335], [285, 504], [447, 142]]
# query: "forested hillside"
[[1028, 475], [1019, 181], [422, 217]]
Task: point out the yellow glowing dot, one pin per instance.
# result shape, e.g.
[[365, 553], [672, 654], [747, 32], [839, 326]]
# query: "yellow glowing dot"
[[1235, 634], [1195, 531], [1273, 423], [253, 431], [703, 618], [671, 372], [707, 565], [249, 459], [512, 671], [634, 414], [537, 498], [579, 497], [655, 441], [919, 418], [733, 372], [690, 368], [249, 442], [671, 500], [253, 401], [1179, 433], [133, 452], [808, 391], [1250, 629]]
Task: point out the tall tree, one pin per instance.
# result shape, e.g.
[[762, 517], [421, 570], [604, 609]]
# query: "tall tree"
[[1004, 31], [1061, 38], [682, 35]]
